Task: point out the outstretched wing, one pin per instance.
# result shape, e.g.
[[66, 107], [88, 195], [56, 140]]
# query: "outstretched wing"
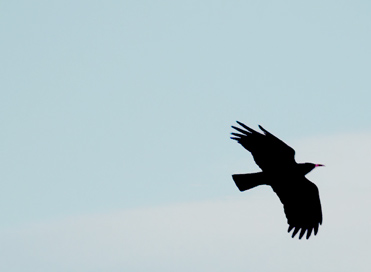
[[268, 151], [300, 199]]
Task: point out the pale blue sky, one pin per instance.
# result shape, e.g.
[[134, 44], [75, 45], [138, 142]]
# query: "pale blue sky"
[[116, 105]]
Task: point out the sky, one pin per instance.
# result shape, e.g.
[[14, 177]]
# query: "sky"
[[115, 116]]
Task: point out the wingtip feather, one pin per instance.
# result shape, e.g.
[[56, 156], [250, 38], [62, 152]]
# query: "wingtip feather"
[[302, 233], [316, 229], [295, 232], [245, 127], [309, 233], [263, 129]]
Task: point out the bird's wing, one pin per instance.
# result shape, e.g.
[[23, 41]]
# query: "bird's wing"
[[268, 151], [300, 199]]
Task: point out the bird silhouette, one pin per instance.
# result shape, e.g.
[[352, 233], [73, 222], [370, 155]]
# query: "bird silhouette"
[[299, 196]]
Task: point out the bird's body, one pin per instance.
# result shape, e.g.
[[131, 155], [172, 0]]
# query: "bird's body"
[[298, 195]]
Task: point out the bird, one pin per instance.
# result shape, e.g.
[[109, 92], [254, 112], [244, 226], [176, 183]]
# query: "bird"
[[299, 196]]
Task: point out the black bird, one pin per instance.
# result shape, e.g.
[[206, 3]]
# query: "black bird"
[[299, 196]]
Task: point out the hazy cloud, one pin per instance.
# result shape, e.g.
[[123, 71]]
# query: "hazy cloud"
[[242, 233]]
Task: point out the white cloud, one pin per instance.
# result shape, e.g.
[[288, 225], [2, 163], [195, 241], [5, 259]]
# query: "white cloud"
[[245, 233]]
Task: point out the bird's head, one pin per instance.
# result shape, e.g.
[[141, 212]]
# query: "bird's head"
[[308, 166]]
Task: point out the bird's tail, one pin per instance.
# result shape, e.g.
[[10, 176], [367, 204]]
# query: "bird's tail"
[[247, 181]]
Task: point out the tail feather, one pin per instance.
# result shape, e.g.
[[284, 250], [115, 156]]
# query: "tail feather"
[[247, 181]]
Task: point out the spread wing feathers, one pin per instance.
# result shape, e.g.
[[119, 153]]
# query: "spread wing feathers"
[[302, 206], [268, 151]]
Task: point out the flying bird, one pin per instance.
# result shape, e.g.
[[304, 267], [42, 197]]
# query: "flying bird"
[[299, 196]]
